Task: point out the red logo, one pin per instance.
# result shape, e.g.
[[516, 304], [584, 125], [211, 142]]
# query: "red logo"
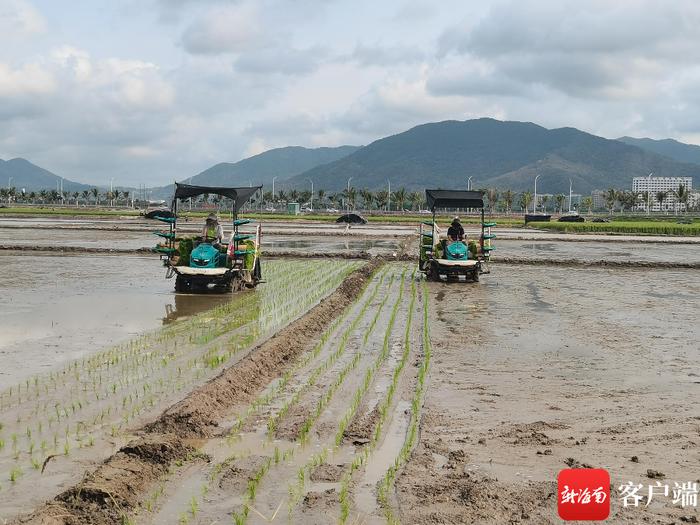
[[584, 494]]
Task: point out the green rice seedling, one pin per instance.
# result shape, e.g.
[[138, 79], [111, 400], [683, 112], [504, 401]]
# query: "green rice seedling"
[[2, 443], [36, 464], [194, 506], [15, 474], [66, 448]]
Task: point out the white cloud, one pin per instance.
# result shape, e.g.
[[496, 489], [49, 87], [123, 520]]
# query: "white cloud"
[[20, 18], [29, 79], [223, 29], [142, 101]]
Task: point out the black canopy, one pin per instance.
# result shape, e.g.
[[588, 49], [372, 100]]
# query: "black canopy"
[[239, 195], [352, 218], [454, 199]]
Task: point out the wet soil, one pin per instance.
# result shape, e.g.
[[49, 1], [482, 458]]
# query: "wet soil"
[[533, 373], [199, 413], [81, 414], [534, 369]]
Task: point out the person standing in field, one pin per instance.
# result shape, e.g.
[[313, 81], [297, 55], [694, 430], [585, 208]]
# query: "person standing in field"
[[212, 232]]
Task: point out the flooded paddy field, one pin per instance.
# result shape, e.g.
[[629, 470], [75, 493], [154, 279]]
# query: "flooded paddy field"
[[536, 370], [391, 400], [76, 412], [590, 251], [57, 238]]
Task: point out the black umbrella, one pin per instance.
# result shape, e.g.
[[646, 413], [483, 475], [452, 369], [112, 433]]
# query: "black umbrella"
[[352, 218]]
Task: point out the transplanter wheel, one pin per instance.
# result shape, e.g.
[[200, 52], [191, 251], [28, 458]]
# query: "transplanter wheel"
[[182, 285]]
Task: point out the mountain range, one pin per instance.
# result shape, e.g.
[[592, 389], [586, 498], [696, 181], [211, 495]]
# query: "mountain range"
[[445, 154], [495, 154], [279, 163], [22, 174], [668, 147]]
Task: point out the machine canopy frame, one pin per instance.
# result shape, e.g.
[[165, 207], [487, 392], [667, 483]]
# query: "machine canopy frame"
[[454, 199], [239, 195]]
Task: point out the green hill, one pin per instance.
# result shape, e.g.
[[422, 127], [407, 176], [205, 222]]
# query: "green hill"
[[673, 149], [260, 169], [495, 153], [31, 177]]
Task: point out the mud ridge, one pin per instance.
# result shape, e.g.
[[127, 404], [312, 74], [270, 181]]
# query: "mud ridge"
[[73, 249], [601, 263], [199, 413], [110, 493]]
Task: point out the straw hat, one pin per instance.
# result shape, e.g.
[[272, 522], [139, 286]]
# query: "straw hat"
[[213, 217]]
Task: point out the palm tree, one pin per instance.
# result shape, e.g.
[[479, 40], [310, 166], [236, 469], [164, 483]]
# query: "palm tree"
[[43, 194], [560, 199], [660, 198], [545, 200], [492, 195], [681, 195], [418, 198], [367, 198], [294, 195], [352, 195], [587, 202], [631, 198], [400, 197], [282, 196], [32, 196], [76, 194], [381, 198], [508, 198], [645, 199], [525, 200], [85, 195], [321, 195], [125, 195], [95, 193], [611, 196]]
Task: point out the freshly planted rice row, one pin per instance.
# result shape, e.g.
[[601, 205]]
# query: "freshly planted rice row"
[[249, 497], [90, 398]]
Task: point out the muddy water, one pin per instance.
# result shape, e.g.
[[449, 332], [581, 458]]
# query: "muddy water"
[[330, 244], [50, 238], [597, 251], [536, 369], [129, 240], [55, 309]]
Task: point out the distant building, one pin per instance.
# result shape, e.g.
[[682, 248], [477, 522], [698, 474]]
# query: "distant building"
[[668, 185], [598, 197]]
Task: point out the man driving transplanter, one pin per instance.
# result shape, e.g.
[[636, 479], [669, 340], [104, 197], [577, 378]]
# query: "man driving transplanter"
[[213, 231], [455, 232]]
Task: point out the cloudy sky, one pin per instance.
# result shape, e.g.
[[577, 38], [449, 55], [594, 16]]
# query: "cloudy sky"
[[147, 91]]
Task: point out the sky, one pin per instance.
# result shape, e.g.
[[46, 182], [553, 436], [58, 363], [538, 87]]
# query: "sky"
[[151, 91]]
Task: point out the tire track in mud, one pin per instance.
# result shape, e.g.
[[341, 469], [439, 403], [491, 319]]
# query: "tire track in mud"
[[195, 416]]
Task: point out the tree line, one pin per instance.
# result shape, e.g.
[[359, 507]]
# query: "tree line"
[[92, 196], [505, 201]]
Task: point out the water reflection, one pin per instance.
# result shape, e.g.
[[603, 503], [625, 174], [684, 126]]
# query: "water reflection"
[[187, 305]]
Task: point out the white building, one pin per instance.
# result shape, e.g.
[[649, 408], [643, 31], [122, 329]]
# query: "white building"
[[655, 185], [599, 202]]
